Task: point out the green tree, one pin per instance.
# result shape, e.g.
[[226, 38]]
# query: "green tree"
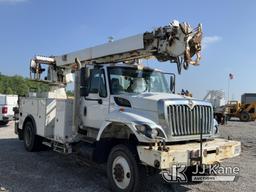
[[9, 91], [70, 93], [19, 85]]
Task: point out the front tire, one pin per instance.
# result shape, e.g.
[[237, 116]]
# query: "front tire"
[[31, 140], [123, 170], [245, 116]]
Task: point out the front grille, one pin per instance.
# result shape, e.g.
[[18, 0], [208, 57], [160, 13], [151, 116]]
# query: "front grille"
[[184, 121]]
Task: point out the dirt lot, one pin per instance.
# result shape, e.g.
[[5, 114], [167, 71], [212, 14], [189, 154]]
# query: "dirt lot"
[[50, 171]]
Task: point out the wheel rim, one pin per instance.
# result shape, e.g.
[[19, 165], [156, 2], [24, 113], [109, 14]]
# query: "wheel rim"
[[121, 172], [245, 117], [28, 135]]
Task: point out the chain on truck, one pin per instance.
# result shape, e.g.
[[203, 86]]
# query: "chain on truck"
[[123, 113]]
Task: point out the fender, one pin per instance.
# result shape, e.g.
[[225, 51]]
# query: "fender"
[[31, 118], [128, 119]]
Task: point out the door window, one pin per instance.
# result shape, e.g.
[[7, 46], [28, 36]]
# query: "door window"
[[98, 82]]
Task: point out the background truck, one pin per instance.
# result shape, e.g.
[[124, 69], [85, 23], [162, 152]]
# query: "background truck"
[[216, 98], [7, 103], [123, 113], [244, 110]]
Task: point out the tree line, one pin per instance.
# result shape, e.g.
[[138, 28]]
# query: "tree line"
[[18, 85]]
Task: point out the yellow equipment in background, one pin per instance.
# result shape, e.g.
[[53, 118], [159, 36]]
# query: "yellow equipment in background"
[[244, 111]]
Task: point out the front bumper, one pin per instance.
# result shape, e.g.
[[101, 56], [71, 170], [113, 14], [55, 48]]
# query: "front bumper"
[[184, 154]]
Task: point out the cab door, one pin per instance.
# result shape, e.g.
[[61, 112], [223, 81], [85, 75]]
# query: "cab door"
[[96, 103]]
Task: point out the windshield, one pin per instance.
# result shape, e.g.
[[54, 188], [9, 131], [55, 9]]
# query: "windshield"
[[132, 80]]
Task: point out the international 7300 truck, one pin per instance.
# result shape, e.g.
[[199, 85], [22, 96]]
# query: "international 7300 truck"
[[123, 113]]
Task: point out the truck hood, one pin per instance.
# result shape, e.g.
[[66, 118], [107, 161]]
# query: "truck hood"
[[148, 101]]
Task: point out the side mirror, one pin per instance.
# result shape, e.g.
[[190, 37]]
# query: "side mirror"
[[84, 75], [172, 83], [103, 93], [83, 92]]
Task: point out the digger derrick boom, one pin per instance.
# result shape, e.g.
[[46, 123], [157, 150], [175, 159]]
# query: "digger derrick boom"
[[172, 43], [176, 42]]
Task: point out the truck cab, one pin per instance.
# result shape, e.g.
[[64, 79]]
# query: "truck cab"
[[141, 97]]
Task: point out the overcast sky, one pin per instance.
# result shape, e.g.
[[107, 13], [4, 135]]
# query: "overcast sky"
[[53, 27]]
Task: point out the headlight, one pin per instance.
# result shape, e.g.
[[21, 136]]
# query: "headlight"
[[152, 133], [147, 130], [141, 128]]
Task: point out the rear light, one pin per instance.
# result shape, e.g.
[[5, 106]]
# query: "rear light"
[[4, 110]]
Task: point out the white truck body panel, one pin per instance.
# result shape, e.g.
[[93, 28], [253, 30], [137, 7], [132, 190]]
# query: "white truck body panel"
[[53, 117], [43, 111], [63, 121]]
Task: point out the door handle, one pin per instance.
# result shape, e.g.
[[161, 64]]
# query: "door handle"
[[99, 100], [85, 111]]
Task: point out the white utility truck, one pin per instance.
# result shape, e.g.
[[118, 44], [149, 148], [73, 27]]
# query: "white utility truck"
[[7, 103], [123, 113]]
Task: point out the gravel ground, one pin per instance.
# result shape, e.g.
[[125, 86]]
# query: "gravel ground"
[[47, 171]]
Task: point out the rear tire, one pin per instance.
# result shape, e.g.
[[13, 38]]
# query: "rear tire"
[[124, 173], [245, 116], [31, 140]]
